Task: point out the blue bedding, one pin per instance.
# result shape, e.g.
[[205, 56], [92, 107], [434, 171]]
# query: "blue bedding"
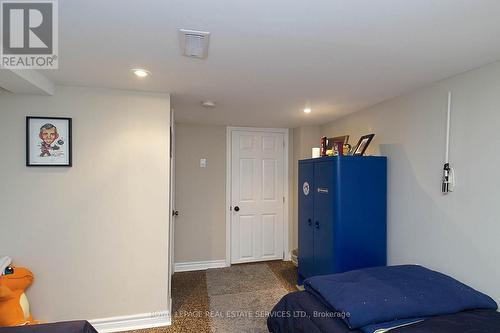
[[301, 312], [384, 294], [295, 313]]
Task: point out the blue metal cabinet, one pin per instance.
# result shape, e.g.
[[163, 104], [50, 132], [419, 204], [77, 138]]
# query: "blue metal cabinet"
[[342, 214]]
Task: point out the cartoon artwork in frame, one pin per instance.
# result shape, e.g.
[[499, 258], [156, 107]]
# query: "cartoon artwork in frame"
[[48, 142]]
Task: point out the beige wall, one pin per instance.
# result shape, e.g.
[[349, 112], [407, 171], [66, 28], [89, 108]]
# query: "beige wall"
[[200, 229], [95, 235], [458, 233], [200, 193], [304, 139]]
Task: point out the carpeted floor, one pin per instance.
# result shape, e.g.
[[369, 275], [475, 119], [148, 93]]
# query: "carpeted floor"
[[233, 299]]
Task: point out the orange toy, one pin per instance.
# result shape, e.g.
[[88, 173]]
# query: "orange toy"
[[14, 306]]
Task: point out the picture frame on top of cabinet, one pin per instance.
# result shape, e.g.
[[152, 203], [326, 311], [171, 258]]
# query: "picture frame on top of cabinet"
[[362, 145], [340, 139]]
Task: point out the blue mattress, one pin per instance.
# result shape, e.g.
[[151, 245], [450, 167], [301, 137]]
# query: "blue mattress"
[[295, 313]]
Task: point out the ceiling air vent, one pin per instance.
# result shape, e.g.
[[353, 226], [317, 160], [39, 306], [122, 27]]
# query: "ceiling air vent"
[[194, 43]]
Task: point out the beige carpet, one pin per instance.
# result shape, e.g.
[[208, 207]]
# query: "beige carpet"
[[201, 299], [240, 297]]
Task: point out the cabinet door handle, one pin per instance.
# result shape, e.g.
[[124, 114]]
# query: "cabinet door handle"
[[309, 221], [317, 224]]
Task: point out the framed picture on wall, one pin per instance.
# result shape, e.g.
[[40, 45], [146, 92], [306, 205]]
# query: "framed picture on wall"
[[363, 143], [48, 142]]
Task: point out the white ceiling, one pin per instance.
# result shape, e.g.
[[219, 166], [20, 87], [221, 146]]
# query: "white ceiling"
[[268, 59]]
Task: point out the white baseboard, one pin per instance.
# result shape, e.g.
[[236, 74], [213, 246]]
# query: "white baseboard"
[[199, 265], [132, 322]]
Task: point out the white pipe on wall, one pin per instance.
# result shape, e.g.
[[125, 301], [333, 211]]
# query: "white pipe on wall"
[[448, 183], [448, 117]]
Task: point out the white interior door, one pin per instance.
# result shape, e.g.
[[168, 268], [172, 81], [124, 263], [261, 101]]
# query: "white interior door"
[[257, 195]]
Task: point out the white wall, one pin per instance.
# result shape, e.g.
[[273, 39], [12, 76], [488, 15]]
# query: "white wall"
[[457, 234], [95, 235]]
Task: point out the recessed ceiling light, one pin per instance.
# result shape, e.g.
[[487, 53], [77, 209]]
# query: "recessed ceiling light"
[[139, 72], [307, 110], [208, 104]]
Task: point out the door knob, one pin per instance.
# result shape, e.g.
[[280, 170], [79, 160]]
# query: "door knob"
[[317, 224], [309, 221], [175, 213], [236, 208]]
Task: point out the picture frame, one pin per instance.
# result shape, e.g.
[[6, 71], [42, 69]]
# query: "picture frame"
[[344, 139], [362, 145], [49, 142], [338, 139]]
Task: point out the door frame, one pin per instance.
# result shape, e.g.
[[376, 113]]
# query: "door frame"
[[171, 208], [286, 194]]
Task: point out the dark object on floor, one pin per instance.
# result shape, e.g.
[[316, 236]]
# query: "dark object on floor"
[[301, 312], [63, 327]]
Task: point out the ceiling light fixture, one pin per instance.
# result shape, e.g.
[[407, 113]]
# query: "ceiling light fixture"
[[307, 110], [208, 104], [139, 72]]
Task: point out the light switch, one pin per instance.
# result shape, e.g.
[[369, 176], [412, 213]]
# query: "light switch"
[[203, 163]]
